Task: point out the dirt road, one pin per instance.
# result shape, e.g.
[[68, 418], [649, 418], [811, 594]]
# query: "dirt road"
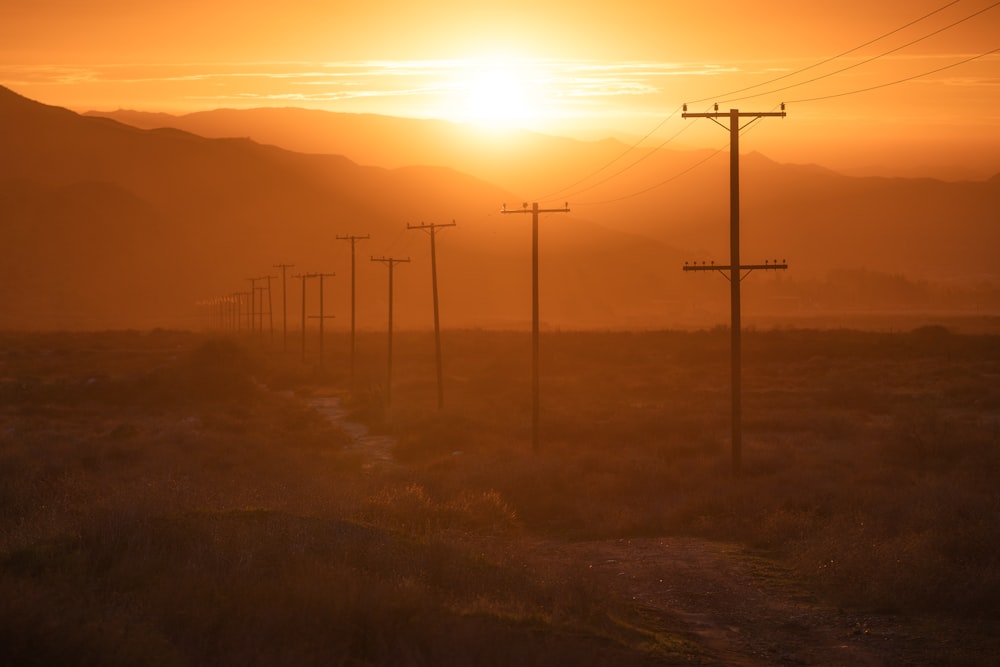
[[729, 607]]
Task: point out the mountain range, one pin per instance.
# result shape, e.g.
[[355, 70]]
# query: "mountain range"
[[133, 220]]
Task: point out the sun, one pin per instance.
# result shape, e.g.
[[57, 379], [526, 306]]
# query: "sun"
[[496, 94]]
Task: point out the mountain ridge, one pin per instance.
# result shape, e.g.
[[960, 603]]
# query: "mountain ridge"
[[223, 206]]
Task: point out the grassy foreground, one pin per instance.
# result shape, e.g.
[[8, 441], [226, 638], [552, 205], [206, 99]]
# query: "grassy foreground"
[[168, 498]]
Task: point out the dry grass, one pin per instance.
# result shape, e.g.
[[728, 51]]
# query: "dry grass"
[[164, 500]]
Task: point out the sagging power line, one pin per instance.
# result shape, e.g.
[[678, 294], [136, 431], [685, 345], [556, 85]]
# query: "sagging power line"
[[568, 192]]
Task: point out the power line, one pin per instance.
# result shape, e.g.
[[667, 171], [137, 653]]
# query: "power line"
[[830, 59], [863, 62], [624, 169], [897, 81], [764, 83], [558, 193], [661, 183]]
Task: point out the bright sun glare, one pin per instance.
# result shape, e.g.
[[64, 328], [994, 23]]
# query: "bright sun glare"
[[495, 94]]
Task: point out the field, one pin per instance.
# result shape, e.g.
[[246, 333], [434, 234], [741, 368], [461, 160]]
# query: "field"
[[184, 499]]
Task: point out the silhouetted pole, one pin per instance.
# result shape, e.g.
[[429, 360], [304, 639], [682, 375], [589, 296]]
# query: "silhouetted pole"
[[535, 401], [390, 262], [322, 316], [270, 308], [284, 306], [353, 240], [303, 276], [252, 321], [432, 229], [736, 360]]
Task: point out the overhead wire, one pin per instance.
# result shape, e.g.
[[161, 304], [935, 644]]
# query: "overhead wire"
[[561, 192], [866, 61], [897, 81], [831, 58], [630, 165], [795, 85], [628, 150], [745, 130]]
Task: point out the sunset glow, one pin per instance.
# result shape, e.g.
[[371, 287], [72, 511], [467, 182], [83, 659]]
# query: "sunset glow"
[[582, 68]]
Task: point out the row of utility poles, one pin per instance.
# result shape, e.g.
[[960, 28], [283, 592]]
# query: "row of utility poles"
[[231, 307], [734, 272]]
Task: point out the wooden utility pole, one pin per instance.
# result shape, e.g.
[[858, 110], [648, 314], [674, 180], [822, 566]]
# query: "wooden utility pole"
[[735, 269], [322, 316], [304, 276], [354, 241], [270, 308], [284, 306], [390, 262], [251, 318], [432, 229], [535, 403]]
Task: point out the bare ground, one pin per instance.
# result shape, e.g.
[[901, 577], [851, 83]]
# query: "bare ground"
[[726, 606]]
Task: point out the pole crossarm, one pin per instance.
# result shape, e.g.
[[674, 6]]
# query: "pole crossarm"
[[390, 260], [727, 270], [431, 226], [525, 209]]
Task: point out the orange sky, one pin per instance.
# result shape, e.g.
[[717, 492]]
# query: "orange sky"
[[578, 66]]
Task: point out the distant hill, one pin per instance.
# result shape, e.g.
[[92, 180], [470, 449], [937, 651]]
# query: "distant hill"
[[116, 226], [112, 225], [822, 220]]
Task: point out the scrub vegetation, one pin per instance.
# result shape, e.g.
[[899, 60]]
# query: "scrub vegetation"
[[175, 498]]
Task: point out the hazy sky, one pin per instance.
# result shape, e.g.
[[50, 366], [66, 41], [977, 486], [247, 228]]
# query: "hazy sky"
[[563, 66]]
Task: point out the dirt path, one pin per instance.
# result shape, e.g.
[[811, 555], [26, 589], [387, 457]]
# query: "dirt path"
[[378, 448], [731, 607], [721, 603]]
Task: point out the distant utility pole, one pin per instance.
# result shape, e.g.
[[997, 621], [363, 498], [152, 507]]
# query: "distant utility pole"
[[284, 306], [390, 262], [535, 409], [270, 308], [432, 229], [252, 320], [304, 276], [735, 269], [322, 317], [354, 241], [239, 307]]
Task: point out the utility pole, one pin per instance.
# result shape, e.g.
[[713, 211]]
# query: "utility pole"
[[322, 317], [390, 262], [251, 321], [284, 307], [735, 269], [535, 405], [354, 241], [303, 276], [270, 308], [432, 229]]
